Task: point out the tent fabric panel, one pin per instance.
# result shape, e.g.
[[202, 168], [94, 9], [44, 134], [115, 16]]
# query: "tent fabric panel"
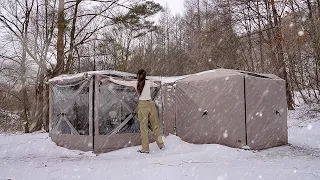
[[103, 143], [211, 111], [266, 113], [50, 107], [207, 75], [169, 109], [74, 142]]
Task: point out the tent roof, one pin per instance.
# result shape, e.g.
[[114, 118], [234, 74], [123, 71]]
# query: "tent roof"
[[65, 78], [205, 75], [215, 73]]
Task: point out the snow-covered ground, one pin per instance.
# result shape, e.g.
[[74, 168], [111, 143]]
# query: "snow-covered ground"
[[35, 156]]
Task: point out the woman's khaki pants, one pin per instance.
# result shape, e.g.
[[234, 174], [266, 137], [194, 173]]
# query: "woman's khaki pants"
[[147, 111]]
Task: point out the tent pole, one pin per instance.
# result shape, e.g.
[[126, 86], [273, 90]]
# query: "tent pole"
[[91, 108], [245, 108]]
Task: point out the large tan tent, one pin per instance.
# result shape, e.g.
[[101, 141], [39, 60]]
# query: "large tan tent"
[[229, 107]]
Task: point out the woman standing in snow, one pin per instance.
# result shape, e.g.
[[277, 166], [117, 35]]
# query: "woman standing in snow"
[[146, 109]]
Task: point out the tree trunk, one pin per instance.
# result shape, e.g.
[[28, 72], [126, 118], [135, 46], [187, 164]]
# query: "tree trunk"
[[39, 114], [60, 42], [260, 39], [23, 91], [38, 108], [72, 38], [318, 2], [280, 55], [270, 35], [198, 17], [23, 70], [314, 33]]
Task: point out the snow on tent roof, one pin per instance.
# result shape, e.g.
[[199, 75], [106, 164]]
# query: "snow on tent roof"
[[166, 80], [205, 75], [89, 73], [78, 76], [163, 80]]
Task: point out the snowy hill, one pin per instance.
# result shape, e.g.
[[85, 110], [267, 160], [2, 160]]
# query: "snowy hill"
[[35, 156]]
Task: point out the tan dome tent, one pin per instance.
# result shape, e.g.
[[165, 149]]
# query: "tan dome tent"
[[229, 107]]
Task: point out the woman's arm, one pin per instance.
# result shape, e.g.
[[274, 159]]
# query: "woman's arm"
[[124, 83]]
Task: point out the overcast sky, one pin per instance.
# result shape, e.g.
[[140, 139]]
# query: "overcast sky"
[[176, 6]]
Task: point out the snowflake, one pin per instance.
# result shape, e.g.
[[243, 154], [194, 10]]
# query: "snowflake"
[[90, 144], [309, 126], [301, 33], [291, 24], [225, 134], [225, 176]]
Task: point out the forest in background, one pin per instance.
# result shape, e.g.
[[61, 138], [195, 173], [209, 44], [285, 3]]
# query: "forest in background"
[[41, 39]]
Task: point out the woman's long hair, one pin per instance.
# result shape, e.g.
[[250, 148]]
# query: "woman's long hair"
[[141, 75]]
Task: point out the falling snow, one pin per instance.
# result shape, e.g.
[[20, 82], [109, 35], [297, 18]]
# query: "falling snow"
[[301, 33], [291, 24], [225, 134]]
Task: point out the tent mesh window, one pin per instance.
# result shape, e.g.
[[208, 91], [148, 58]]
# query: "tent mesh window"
[[70, 108], [118, 107], [117, 104]]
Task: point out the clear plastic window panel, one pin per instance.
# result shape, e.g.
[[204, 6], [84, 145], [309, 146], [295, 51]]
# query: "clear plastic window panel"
[[117, 103], [70, 109]]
